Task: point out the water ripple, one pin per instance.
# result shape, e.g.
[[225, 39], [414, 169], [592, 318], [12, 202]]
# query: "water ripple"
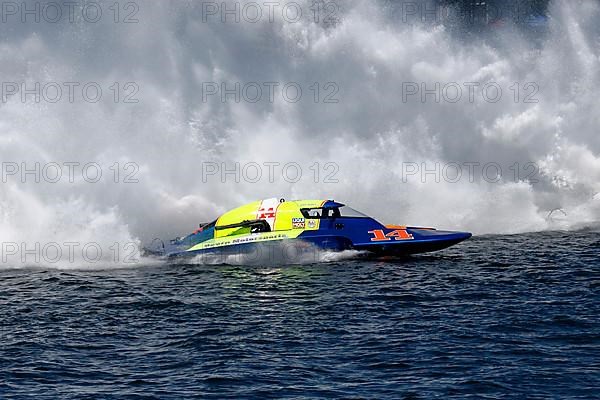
[[511, 317]]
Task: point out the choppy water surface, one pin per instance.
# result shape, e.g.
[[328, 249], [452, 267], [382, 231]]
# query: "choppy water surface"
[[498, 316]]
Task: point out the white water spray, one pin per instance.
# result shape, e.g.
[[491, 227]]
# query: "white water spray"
[[154, 130]]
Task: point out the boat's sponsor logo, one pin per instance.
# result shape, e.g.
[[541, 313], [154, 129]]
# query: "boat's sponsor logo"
[[398, 234], [259, 238], [312, 224], [298, 223], [247, 239]]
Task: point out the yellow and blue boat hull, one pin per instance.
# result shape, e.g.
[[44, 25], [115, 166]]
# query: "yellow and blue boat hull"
[[324, 224]]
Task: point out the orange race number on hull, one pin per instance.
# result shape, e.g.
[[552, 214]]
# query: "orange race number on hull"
[[399, 234]]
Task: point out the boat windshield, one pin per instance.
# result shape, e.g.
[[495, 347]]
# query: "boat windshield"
[[332, 212], [350, 212]]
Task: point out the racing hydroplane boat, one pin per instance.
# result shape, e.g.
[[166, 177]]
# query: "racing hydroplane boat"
[[325, 224]]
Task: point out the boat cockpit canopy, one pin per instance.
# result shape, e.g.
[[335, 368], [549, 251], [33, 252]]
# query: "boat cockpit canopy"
[[331, 212]]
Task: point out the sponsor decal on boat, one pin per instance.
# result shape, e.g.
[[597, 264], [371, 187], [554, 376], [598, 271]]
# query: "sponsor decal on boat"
[[298, 223]]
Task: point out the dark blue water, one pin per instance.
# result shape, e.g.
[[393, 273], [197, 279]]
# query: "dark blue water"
[[495, 317]]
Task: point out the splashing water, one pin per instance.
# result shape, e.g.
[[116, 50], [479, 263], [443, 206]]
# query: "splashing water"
[[153, 153], [275, 254]]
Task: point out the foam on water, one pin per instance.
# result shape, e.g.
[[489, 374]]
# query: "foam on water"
[[275, 254]]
